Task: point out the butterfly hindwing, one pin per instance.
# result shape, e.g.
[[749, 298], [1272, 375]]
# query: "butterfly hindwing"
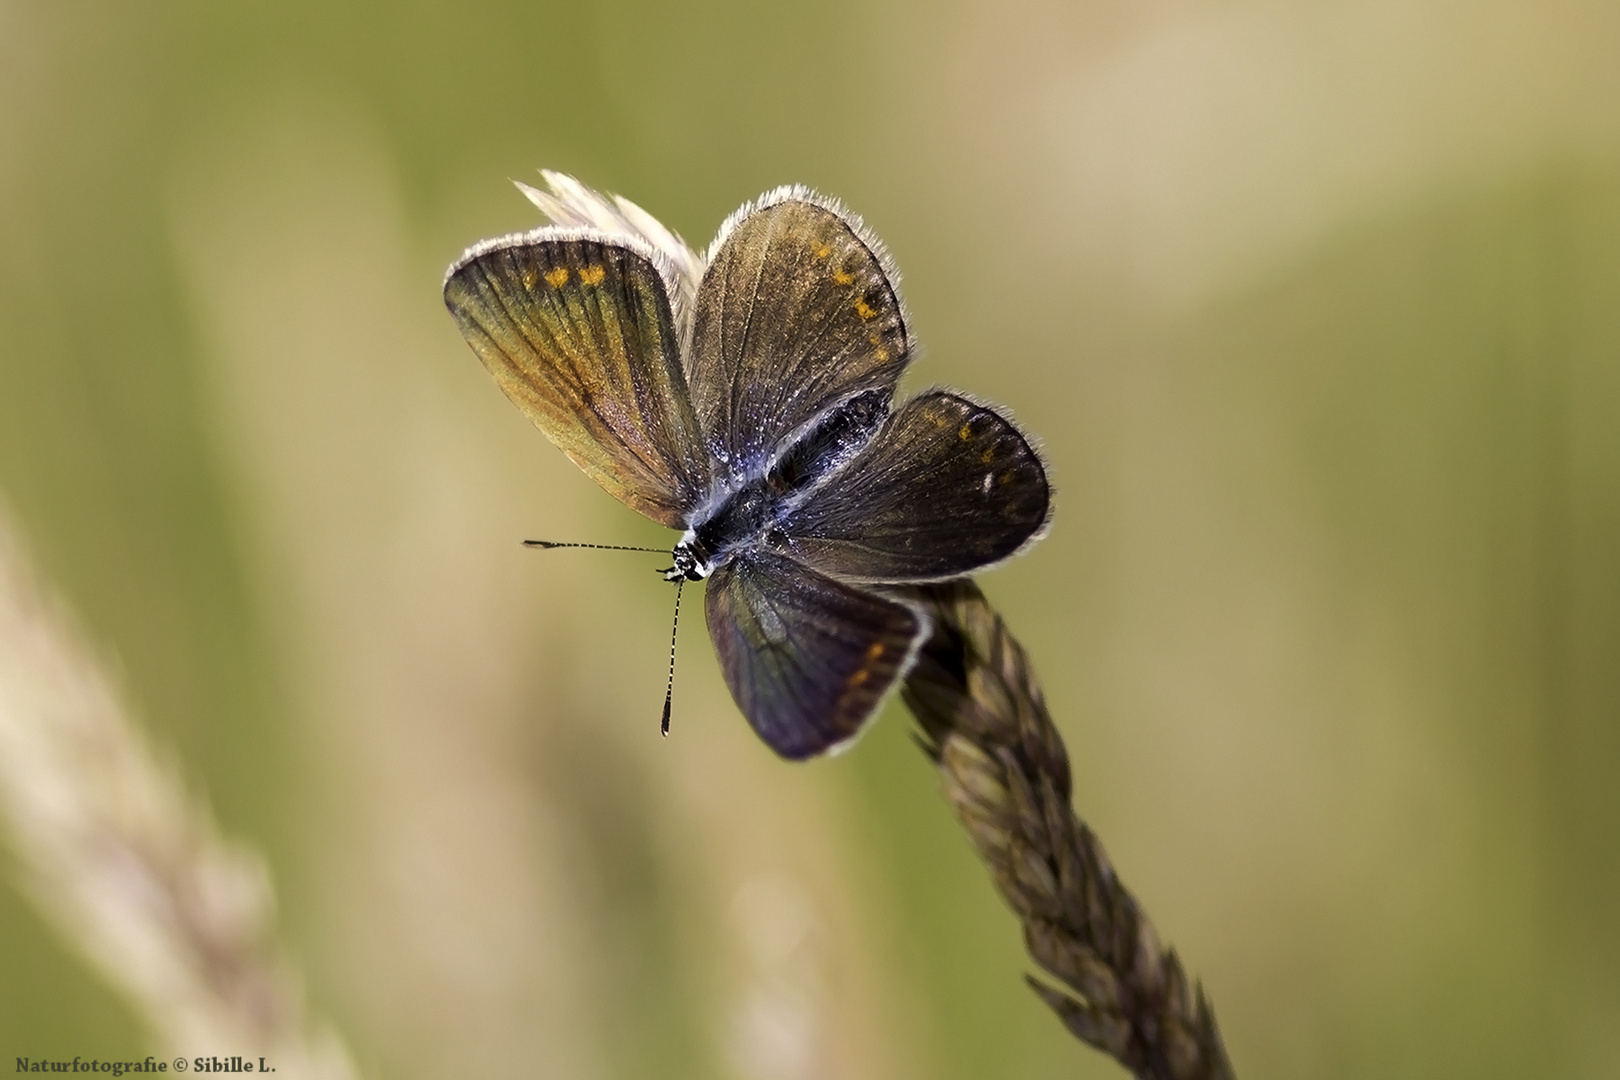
[[795, 310], [946, 487], [807, 659], [578, 332]]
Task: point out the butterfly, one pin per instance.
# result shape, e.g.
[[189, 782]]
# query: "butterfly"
[[746, 396]]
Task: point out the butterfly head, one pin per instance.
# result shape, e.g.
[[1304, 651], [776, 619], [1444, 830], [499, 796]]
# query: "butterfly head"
[[690, 561]]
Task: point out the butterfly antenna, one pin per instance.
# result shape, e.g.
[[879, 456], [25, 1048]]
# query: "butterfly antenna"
[[674, 626], [548, 544]]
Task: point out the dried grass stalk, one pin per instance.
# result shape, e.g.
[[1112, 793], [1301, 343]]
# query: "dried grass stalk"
[[1006, 773], [128, 866]]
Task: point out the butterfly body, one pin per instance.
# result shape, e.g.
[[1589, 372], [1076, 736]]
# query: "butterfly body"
[[747, 398], [752, 515]]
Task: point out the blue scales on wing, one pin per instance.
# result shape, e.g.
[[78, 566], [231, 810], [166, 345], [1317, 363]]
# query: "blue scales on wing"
[[807, 658], [946, 487]]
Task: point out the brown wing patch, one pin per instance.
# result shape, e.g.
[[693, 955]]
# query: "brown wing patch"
[[592, 357], [795, 312]]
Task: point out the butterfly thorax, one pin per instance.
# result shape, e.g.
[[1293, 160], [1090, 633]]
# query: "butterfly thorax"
[[741, 521], [752, 514]]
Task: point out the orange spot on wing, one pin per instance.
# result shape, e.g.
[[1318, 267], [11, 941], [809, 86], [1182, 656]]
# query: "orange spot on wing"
[[864, 673], [822, 252], [531, 277], [843, 278], [592, 275], [864, 310], [965, 433], [988, 455], [557, 278]]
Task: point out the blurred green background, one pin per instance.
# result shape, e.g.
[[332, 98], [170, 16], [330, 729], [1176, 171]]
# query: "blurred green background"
[[1316, 308]]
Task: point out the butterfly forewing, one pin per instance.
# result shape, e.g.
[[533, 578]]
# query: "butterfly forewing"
[[578, 333], [794, 312], [945, 488], [808, 660]]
